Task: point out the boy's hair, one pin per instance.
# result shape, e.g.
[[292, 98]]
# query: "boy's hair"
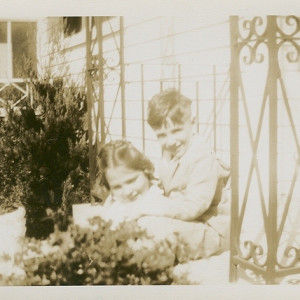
[[169, 103], [122, 153]]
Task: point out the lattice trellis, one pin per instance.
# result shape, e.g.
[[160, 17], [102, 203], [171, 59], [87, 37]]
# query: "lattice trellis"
[[273, 250], [105, 66]]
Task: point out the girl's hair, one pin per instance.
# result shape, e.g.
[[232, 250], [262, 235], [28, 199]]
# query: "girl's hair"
[[169, 103], [121, 153]]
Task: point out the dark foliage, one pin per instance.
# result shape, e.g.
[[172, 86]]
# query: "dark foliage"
[[41, 146]]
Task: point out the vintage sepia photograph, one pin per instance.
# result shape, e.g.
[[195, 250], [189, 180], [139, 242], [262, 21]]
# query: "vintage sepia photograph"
[[155, 150]]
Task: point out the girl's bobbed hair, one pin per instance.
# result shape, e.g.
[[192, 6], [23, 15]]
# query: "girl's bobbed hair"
[[121, 153]]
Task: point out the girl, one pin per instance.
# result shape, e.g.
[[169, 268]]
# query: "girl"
[[125, 172], [128, 176]]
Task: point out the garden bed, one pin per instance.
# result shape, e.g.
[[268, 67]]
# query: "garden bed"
[[59, 261]]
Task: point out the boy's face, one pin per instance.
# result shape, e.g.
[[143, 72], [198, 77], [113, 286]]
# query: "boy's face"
[[126, 184], [175, 138]]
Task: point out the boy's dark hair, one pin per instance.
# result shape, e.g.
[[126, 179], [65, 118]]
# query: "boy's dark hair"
[[121, 153], [169, 103]]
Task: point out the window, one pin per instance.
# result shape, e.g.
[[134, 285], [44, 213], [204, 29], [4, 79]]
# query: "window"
[[72, 25], [3, 32], [4, 61], [23, 38]]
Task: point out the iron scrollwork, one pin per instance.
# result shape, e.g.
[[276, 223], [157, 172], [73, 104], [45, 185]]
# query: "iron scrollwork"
[[252, 40], [292, 253], [253, 252], [251, 26], [253, 56], [94, 68], [112, 68], [292, 22]]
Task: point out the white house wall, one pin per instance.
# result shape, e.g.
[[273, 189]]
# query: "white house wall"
[[170, 49], [59, 55]]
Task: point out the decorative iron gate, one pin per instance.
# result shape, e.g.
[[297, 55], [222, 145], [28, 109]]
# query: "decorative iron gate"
[[265, 132]]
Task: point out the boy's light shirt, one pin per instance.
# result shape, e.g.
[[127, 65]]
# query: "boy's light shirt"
[[169, 165], [189, 183]]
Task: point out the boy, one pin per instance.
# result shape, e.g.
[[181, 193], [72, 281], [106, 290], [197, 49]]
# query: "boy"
[[191, 176]]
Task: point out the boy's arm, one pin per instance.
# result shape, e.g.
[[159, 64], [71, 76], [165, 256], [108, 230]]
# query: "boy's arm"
[[190, 202]]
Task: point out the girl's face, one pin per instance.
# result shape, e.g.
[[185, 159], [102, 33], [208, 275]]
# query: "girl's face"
[[126, 184]]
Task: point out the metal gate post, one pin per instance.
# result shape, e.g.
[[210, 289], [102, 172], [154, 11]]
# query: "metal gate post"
[[234, 144], [94, 74], [89, 71], [215, 107], [197, 106], [100, 114], [271, 230], [122, 77], [143, 107]]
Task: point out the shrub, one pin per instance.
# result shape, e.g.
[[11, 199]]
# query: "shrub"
[[14, 173], [100, 257], [41, 147]]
